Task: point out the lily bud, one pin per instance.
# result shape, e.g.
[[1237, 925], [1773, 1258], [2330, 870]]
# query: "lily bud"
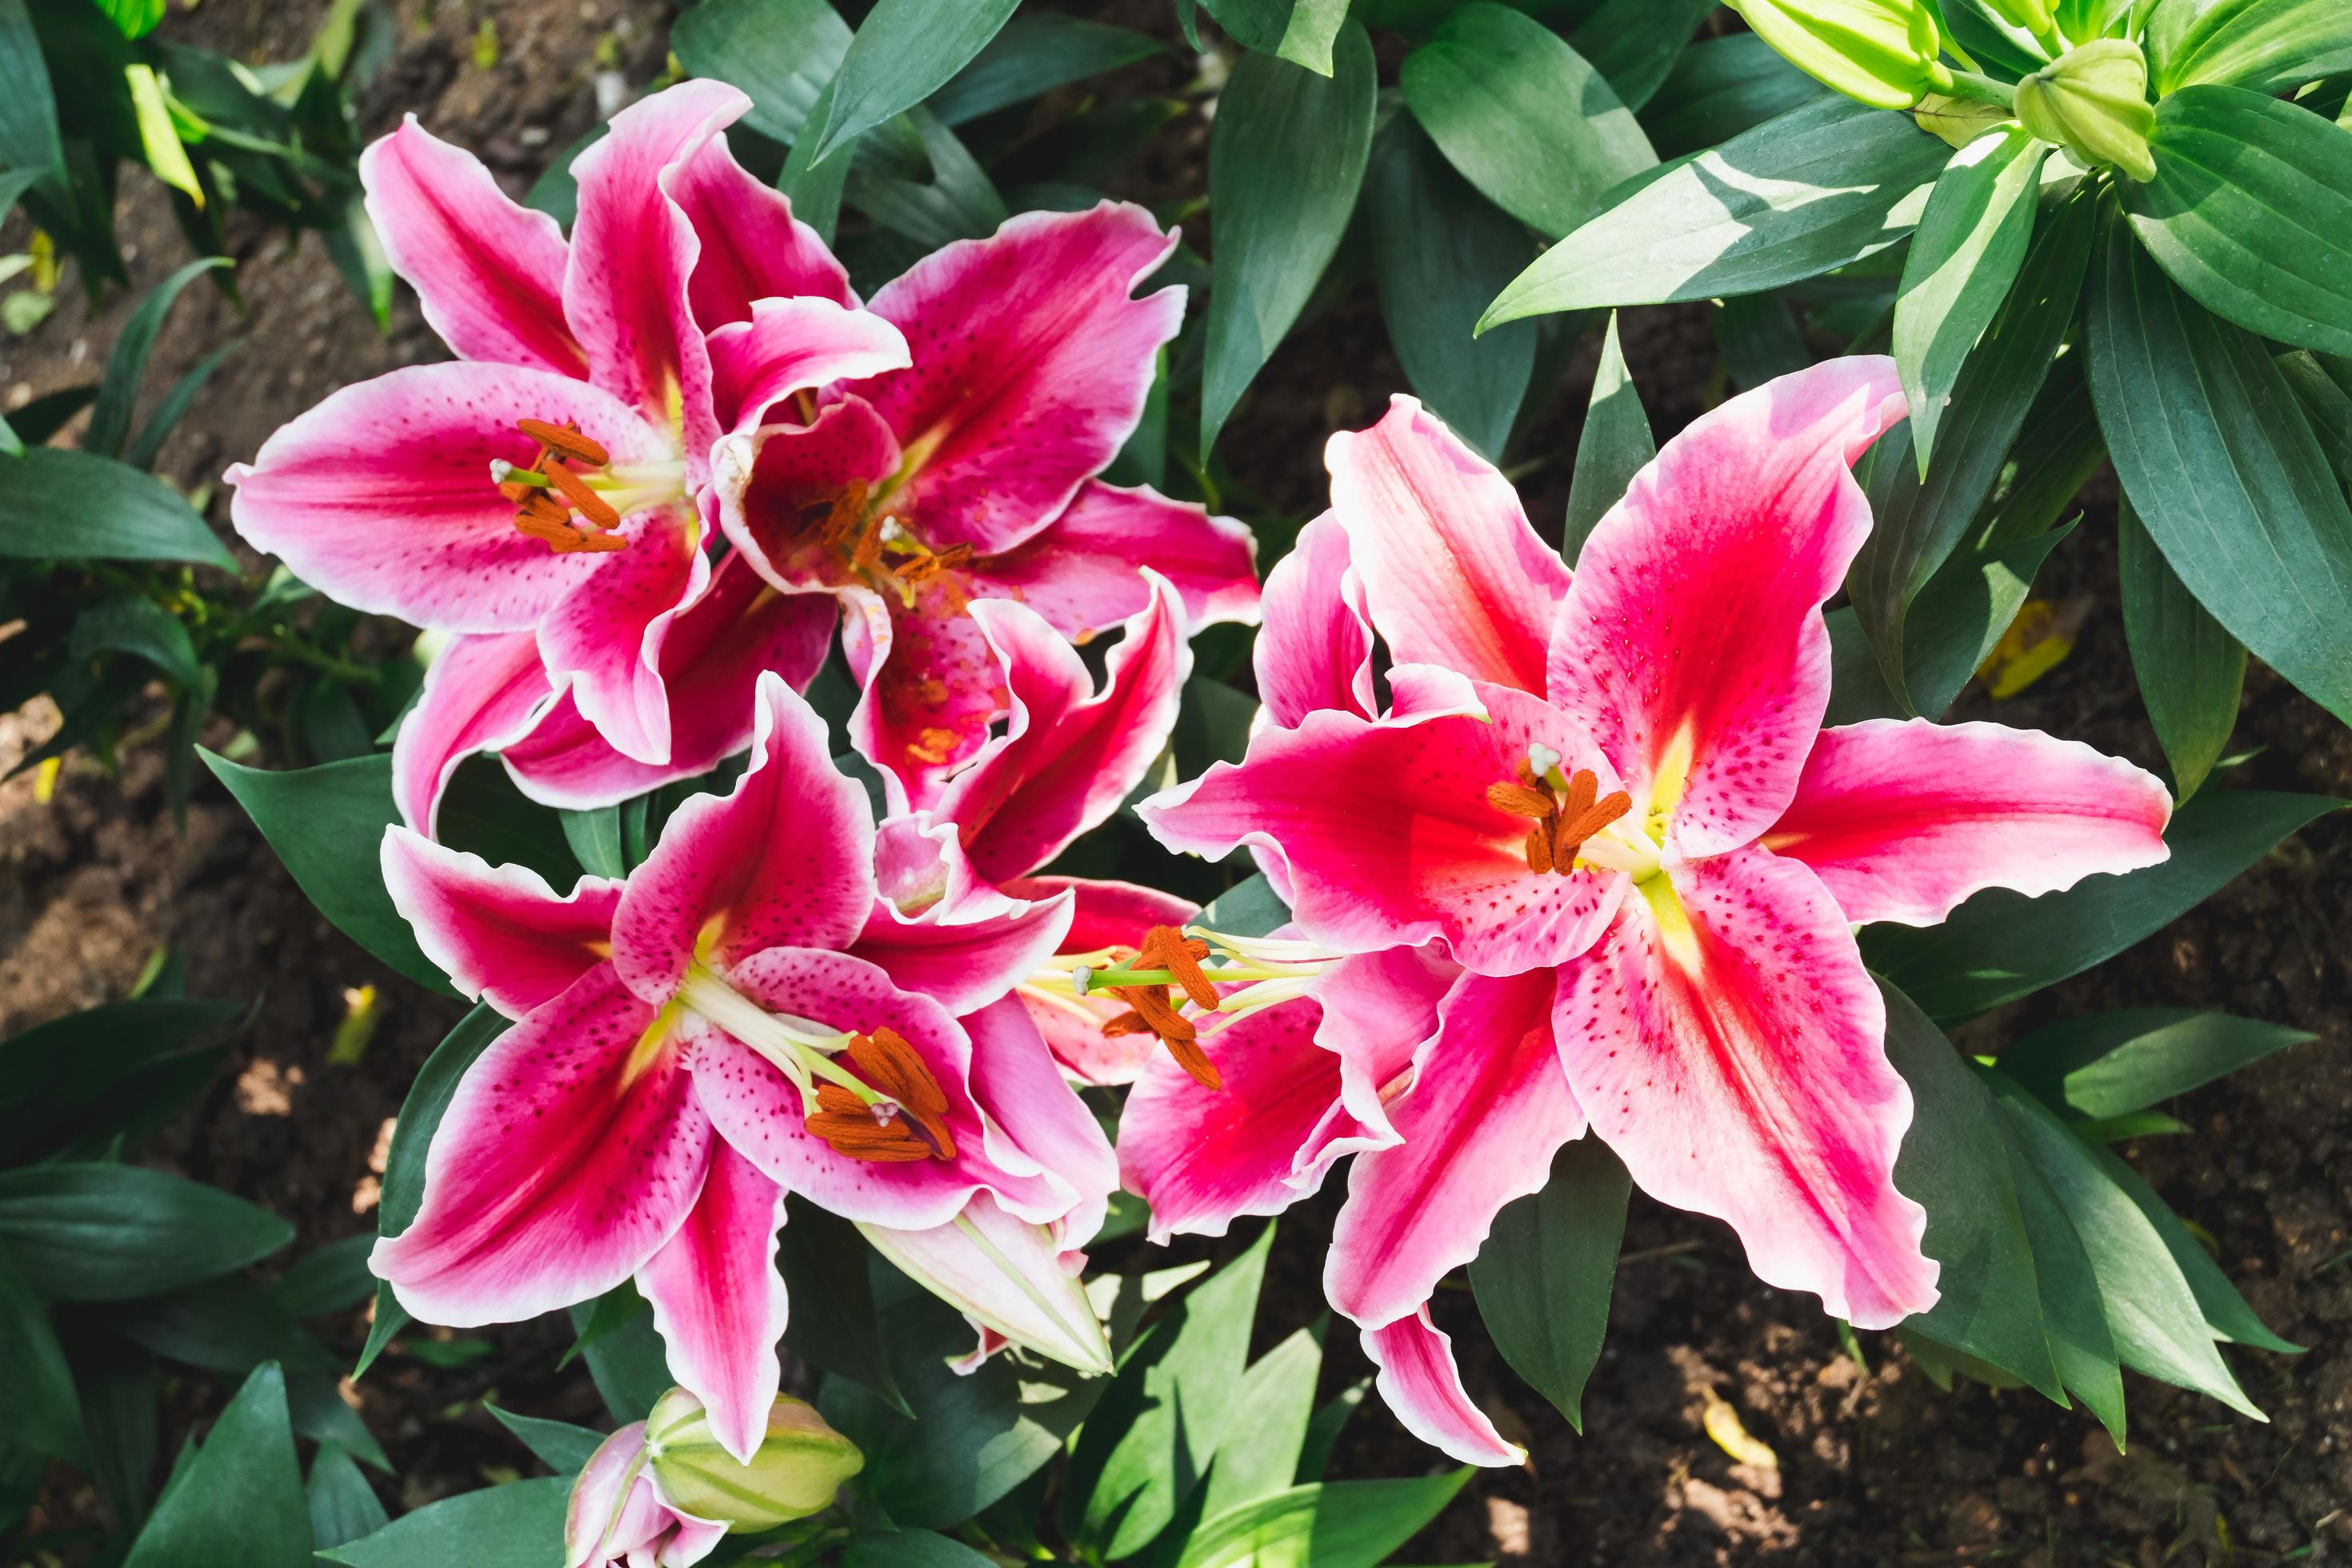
[[2034, 16], [1007, 1275], [1881, 52], [619, 1516], [800, 1465], [2092, 101]]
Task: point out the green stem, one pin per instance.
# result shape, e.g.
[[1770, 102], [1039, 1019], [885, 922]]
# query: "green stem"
[[1984, 90]]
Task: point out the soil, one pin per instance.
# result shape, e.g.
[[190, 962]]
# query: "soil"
[[1874, 1465]]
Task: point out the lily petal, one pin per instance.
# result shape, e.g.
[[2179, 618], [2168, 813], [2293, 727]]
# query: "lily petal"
[[1390, 838], [1069, 753], [1008, 1276], [932, 687], [1079, 570], [1013, 1076], [1379, 1010], [1316, 648], [480, 693], [499, 932], [1107, 914], [718, 1302], [1693, 645], [602, 642], [1734, 1056], [750, 247], [1902, 819], [1453, 571], [381, 495], [1032, 361], [962, 958], [569, 1154], [785, 858], [1488, 1108], [783, 346], [488, 272], [775, 485], [1424, 1387]]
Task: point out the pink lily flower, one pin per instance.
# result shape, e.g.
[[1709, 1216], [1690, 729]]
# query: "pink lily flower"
[[546, 483], [694, 1042], [970, 477], [1610, 803], [1068, 755]]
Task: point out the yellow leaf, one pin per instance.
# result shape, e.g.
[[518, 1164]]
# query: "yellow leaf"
[[2041, 636], [159, 136], [1722, 1423]]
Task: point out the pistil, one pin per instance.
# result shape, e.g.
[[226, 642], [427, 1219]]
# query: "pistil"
[[1169, 971]]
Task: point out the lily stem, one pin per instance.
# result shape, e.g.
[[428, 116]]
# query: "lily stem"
[[1984, 90]]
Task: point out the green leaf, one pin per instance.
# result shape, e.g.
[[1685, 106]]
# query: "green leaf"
[[1149, 1441], [1439, 251], [780, 52], [1953, 1164], [1825, 184], [1635, 43], [904, 51], [1323, 1432], [2158, 1328], [2223, 469], [1249, 908], [29, 108], [1759, 338], [2052, 459], [2000, 946], [1719, 88], [77, 506], [135, 18], [1613, 447], [238, 1503], [908, 1549], [325, 824], [1287, 154], [358, 253], [42, 1412], [1035, 55], [104, 1233], [2251, 213], [2324, 387], [2227, 1316], [2264, 46], [1300, 31], [137, 624], [813, 189], [1338, 1524], [833, 1324], [596, 840], [1960, 616], [2189, 670], [2073, 1317], [343, 1506], [957, 203], [1971, 242], [1544, 1277], [149, 443], [1522, 115], [627, 1363], [562, 1447], [120, 1391], [402, 1192], [109, 421], [1258, 1455], [333, 1279], [1916, 521], [519, 1525], [2108, 1064], [67, 1079]]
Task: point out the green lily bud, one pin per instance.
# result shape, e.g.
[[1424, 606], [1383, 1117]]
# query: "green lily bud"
[[2092, 101], [1881, 52], [2034, 16], [800, 1464]]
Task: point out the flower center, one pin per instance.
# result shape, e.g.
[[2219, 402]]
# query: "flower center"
[[574, 496], [1573, 825], [886, 1106], [1168, 971]]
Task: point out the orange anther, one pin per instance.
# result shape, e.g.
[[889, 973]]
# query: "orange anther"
[[1571, 833], [565, 439], [592, 506], [850, 1126], [891, 1067], [1520, 800], [1539, 849], [1581, 788], [1165, 947], [932, 744]]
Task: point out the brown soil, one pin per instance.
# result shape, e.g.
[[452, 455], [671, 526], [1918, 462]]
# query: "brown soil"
[[1876, 1465]]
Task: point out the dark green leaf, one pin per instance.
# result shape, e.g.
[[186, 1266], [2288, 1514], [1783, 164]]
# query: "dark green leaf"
[[2324, 387], [908, 1549], [42, 1411], [1035, 55], [1285, 156], [1971, 242], [120, 1391], [175, 405], [1523, 116], [2221, 465], [46, 415], [1953, 1164], [110, 420], [325, 824], [2000, 946], [1719, 88], [628, 1364], [2073, 1317], [833, 1324], [2251, 213], [482, 812], [1441, 251], [1960, 616], [343, 1506], [2264, 46], [904, 51], [1323, 1432], [1544, 1276], [2107, 1063], [1303, 32], [596, 840], [105, 1233], [1635, 43], [780, 52], [519, 1525], [136, 18], [1759, 338], [2054, 457], [65, 1080], [358, 253], [1825, 184], [333, 1279], [28, 108], [814, 189], [2227, 1316], [958, 201], [137, 624], [556, 192], [1614, 444], [238, 1503], [612, 1311], [562, 1447], [1165, 1413], [1249, 908], [1340, 1524], [2189, 670], [1258, 1454], [77, 506]]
